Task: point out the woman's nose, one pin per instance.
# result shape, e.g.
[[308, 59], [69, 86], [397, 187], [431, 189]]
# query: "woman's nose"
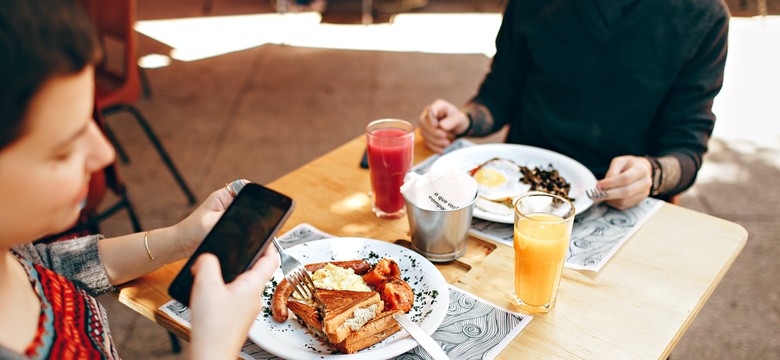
[[101, 151]]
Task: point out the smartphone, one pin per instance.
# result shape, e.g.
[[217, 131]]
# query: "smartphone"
[[364, 160], [239, 236]]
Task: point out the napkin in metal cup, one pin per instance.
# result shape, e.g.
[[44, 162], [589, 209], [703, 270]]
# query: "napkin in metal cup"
[[439, 208]]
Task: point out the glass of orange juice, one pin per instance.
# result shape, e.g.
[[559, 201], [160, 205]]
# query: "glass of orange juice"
[[542, 231]]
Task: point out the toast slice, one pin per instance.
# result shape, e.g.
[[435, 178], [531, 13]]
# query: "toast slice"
[[376, 330], [344, 311], [308, 315], [347, 320]]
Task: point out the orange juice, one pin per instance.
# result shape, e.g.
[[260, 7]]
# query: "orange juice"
[[541, 241]]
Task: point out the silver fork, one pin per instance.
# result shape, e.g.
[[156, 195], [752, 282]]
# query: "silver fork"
[[295, 273], [595, 193]]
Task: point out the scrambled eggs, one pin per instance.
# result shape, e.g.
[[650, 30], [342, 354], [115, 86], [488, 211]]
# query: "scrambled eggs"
[[332, 277]]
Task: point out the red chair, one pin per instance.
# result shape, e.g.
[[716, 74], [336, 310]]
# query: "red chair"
[[116, 90]]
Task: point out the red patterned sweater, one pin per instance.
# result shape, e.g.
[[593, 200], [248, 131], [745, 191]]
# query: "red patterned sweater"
[[72, 324]]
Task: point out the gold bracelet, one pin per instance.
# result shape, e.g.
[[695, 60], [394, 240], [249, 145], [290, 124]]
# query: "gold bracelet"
[[146, 243]]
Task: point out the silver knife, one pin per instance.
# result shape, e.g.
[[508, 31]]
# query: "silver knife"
[[426, 341]]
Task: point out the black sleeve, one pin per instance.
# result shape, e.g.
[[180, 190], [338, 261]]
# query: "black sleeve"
[[686, 119], [502, 85]]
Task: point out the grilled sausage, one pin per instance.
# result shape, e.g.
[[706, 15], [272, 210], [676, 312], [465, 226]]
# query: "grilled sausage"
[[279, 301]]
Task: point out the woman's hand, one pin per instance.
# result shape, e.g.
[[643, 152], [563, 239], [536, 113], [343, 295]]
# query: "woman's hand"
[[124, 260], [192, 230], [627, 182], [440, 123], [223, 313]]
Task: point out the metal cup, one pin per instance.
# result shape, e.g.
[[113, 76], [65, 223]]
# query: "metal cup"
[[440, 235]]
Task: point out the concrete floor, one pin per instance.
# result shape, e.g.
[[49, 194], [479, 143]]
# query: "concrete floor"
[[263, 111]]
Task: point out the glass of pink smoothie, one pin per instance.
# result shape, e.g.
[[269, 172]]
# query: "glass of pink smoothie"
[[390, 146]]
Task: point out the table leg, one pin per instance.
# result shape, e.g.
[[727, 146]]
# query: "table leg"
[[368, 8], [281, 6]]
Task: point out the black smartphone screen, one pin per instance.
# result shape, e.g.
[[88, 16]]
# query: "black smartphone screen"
[[364, 159], [239, 236]]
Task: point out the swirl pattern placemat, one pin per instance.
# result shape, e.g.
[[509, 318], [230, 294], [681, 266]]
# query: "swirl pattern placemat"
[[596, 236], [598, 233], [472, 329]]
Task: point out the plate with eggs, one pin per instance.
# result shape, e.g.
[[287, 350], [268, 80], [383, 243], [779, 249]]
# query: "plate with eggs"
[[291, 340], [505, 171]]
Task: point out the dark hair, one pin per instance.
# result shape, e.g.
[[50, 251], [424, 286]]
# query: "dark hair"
[[39, 39]]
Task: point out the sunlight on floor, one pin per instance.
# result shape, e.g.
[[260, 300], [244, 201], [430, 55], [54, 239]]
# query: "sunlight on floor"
[[747, 108], [748, 103], [199, 38]]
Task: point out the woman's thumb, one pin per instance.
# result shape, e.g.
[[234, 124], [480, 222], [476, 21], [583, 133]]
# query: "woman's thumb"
[[207, 270]]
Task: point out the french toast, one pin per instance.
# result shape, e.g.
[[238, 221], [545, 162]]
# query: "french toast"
[[348, 320]]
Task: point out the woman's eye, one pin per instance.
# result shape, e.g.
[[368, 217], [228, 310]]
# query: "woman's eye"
[[63, 156]]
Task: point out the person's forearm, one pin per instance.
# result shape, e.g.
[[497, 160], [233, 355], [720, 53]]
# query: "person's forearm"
[[126, 257], [481, 120], [671, 170]]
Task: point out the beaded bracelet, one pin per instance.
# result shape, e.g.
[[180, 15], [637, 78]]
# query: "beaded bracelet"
[[471, 123], [657, 175]]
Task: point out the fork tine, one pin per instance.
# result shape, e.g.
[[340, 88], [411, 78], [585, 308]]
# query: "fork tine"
[[601, 193], [297, 283], [595, 193], [590, 193], [295, 273], [296, 287], [301, 285], [303, 280], [309, 283]]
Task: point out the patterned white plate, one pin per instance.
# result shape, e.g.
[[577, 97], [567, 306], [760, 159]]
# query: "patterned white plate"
[[290, 340], [572, 171]]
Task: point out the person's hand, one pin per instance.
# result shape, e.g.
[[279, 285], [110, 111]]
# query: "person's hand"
[[193, 229], [627, 182], [440, 122], [223, 313]]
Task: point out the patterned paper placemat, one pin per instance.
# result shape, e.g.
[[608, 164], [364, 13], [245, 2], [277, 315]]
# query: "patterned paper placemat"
[[598, 233], [472, 329], [596, 236]]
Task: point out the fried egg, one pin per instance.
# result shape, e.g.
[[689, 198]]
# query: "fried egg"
[[498, 180]]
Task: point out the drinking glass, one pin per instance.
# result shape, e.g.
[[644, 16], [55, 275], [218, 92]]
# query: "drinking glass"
[[542, 231], [390, 145]]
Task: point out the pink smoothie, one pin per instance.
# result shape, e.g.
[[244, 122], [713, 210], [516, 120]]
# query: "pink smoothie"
[[389, 158]]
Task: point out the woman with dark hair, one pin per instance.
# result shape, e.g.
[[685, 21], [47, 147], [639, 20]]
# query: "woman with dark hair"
[[49, 147]]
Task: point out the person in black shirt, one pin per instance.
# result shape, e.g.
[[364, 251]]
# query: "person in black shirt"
[[625, 87]]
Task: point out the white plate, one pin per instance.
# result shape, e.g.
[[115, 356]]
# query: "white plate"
[[576, 174], [290, 340]]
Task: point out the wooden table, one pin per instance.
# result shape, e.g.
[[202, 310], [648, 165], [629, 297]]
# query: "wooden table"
[[638, 306]]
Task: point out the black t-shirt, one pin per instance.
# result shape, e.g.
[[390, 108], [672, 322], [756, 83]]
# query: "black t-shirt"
[[598, 79]]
